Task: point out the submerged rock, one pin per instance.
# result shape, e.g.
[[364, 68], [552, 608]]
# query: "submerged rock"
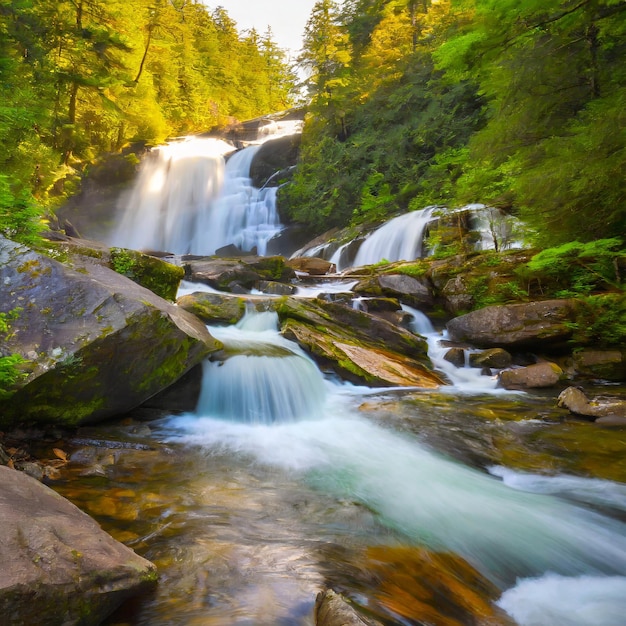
[[93, 343], [332, 609], [60, 567]]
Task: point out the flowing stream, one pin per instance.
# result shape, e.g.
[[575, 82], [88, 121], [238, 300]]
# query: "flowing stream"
[[285, 481]]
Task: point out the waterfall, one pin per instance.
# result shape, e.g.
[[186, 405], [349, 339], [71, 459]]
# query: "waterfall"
[[264, 378], [399, 239], [188, 199]]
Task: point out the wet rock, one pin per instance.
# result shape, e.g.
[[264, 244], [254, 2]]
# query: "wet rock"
[[574, 400], [457, 295], [332, 609], [495, 357], [276, 289], [605, 364], [358, 346], [535, 376], [64, 568], [313, 266], [535, 324], [274, 155], [95, 343], [213, 308], [456, 356]]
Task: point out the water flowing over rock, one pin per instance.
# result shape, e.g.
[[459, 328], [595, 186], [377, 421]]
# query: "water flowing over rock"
[[59, 567], [95, 343]]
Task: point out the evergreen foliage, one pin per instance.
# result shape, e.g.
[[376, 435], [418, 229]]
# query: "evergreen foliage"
[[517, 105], [83, 77]]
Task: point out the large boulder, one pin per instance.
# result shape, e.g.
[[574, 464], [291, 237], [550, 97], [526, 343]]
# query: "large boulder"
[[59, 566], [416, 291], [605, 364], [244, 272], [537, 376], [547, 323], [94, 343], [358, 346]]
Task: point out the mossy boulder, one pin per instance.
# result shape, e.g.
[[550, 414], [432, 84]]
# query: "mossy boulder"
[[533, 325], [60, 567], [214, 308], [356, 345], [149, 271], [243, 272], [95, 344]]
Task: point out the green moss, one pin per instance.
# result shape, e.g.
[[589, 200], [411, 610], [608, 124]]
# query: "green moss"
[[154, 274]]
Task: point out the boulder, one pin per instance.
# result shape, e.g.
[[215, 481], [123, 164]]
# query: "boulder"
[[214, 308], [414, 291], [245, 272], [575, 401], [94, 344], [494, 357], [274, 288], [605, 364], [311, 265], [456, 356], [541, 324], [532, 377], [332, 609], [358, 346], [60, 566]]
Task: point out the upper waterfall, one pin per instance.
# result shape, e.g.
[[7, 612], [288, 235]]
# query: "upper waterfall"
[[192, 197]]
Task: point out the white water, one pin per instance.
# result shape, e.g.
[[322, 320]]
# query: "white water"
[[260, 380], [427, 499], [399, 239], [464, 379], [188, 199]]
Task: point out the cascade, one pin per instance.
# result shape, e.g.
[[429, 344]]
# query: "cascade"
[[399, 239], [189, 199], [264, 377]]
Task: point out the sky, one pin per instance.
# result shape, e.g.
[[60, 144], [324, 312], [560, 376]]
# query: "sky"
[[287, 18]]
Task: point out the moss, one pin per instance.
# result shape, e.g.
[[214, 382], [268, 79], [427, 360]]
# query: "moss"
[[154, 274]]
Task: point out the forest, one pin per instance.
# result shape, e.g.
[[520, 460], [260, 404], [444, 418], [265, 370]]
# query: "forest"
[[81, 78], [519, 105]]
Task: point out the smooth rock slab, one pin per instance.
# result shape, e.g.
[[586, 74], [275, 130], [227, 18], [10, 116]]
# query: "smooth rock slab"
[[59, 566]]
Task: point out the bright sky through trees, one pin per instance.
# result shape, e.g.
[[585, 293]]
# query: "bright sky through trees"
[[287, 18]]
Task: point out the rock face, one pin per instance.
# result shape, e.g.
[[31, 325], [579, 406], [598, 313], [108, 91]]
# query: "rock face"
[[544, 323], [95, 343], [59, 566], [275, 155]]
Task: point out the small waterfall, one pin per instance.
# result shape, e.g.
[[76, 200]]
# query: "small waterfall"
[[399, 239], [264, 378], [188, 199], [464, 379]]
